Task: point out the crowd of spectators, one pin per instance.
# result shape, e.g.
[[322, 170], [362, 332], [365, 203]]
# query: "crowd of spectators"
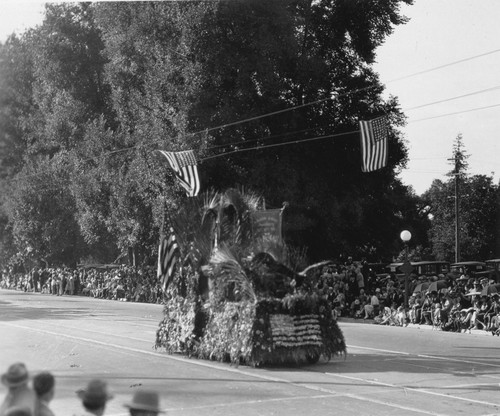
[[452, 302], [122, 283]]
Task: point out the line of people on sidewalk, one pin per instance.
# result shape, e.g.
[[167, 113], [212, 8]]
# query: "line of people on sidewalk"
[[25, 400], [123, 283]]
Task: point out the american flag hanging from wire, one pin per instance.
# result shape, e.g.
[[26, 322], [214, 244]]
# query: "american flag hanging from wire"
[[185, 167], [168, 255], [374, 154]]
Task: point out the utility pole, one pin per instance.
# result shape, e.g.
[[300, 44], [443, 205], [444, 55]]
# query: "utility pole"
[[460, 162], [456, 174], [457, 211]]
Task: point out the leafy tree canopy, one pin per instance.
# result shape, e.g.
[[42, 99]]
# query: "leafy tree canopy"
[[100, 86]]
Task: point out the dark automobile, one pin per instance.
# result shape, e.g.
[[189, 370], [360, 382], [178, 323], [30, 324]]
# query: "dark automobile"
[[493, 266], [469, 268], [422, 268]]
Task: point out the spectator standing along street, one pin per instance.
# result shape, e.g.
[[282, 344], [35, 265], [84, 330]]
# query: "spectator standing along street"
[[19, 394], [144, 403], [44, 384], [94, 398]]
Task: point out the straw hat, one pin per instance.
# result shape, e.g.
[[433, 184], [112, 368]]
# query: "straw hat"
[[147, 400], [16, 375], [95, 394]]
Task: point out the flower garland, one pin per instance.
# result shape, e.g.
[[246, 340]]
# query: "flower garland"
[[176, 332]]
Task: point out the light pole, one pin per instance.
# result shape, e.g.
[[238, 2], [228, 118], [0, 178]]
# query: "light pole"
[[406, 267]]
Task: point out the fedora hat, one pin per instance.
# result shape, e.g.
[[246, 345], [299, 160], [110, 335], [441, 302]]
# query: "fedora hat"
[[96, 393], [16, 375], [145, 400]]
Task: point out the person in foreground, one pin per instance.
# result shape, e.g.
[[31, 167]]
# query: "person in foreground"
[[44, 386], [20, 397], [144, 403], [94, 398]]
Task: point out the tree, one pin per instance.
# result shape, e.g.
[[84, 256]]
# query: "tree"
[[478, 212], [106, 84], [188, 67], [42, 213]]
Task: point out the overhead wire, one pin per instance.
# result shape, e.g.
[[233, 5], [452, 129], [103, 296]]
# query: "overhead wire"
[[340, 95], [336, 96], [454, 98], [456, 112], [425, 71], [328, 136], [279, 144]]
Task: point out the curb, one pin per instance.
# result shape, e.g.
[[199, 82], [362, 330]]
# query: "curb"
[[342, 320]]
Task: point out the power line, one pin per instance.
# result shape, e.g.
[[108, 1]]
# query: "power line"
[[342, 95], [456, 112], [445, 65], [454, 98], [294, 132], [267, 137], [334, 135], [278, 144], [339, 95]]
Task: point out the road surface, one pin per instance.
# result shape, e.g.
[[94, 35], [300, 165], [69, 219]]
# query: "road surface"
[[387, 371]]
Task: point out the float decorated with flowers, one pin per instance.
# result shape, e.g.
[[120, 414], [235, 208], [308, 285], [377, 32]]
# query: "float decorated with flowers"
[[237, 297]]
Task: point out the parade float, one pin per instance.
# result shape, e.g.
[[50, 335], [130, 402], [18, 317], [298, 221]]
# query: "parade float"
[[236, 297]]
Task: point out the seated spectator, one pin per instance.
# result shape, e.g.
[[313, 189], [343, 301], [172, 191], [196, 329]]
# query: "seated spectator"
[[436, 314], [466, 318], [371, 308], [493, 311], [452, 323], [44, 384], [399, 315], [356, 309], [427, 310], [482, 312], [385, 315]]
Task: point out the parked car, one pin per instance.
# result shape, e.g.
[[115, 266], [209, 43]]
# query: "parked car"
[[422, 268], [493, 266], [470, 268]]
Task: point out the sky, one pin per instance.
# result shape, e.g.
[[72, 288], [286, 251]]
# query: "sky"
[[440, 33], [445, 61]]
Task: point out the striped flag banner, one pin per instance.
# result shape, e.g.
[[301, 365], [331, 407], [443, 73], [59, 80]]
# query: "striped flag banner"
[[185, 167], [168, 254], [374, 154]]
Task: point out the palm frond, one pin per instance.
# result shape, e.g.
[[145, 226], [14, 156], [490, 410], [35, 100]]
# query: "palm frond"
[[227, 271]]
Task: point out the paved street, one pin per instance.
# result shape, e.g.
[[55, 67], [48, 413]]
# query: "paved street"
[[388, 370]]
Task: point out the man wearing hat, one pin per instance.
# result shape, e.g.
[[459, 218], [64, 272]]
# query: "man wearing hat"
[[19, 394], [94, 398], [144, 403]]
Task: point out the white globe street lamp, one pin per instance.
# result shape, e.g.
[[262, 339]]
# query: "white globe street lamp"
[[406, 237]]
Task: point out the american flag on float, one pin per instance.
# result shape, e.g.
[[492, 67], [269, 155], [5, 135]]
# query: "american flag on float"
[[185, 167], [168, 254], [374, 154]]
